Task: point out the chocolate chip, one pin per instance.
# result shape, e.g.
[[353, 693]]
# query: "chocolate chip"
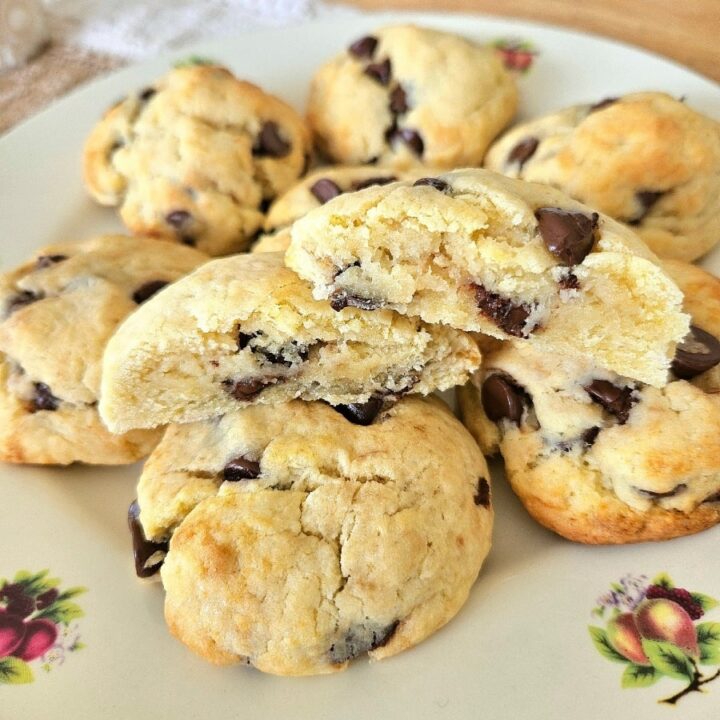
[[398, 100], [241, 468], [270, 143], [146, 94], [659, 495], [250, 387], [590, 436], [698, 352], [21, 299], [243, 340], [361, 639], [146, 291], [433, 182], [178, 218], [615, 400], [523, 151], [569, 282], [411, 138], [482, 495], [341, 299], [502, 398], [602, 104], [43, 399], [325, 189], [646, 199], [369, 182], [149, 556], [503, 312], [569, 236], [364, 48], [361, 413], [46, 261], [380, 72]]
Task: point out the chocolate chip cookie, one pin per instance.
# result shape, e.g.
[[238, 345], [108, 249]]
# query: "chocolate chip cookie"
[[246, 329], [196, 157], [407, 95], [597, 457], [645, 159], [300, 539], [57, 313], [484, 253]]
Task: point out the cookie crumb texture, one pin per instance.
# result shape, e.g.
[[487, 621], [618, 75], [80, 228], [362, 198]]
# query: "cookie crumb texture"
[[194, 158], [484, 253], [645, 159], [347, 539], [407, 95], [57, 313], [246, 329], [597, 457]]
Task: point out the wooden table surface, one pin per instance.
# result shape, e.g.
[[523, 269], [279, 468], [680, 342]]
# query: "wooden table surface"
[[685, 30]]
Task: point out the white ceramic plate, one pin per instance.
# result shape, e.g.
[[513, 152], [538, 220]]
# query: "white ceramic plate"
[[519, 648]]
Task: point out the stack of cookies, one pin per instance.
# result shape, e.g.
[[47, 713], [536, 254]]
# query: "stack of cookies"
[[305, 499]]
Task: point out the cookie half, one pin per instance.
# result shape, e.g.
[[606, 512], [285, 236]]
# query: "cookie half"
[[299, 540], [481, 252], [246, 329], [646, 159], [57, 313], [196, 157]]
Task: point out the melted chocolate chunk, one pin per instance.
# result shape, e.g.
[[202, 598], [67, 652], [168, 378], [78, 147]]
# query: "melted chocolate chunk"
[[248, 388], [646, 199], [21, 299], [409, 137], [364, 48], [398, 100], [615, 400], [590, 436], [43, 399], [380, 72], [340, 299], [149, 556], [659, 495], [146, 94], [433, 182], [503, 312], [361, 413], [178, 218], [482, 496], [606, 102], [502, 398], [361, 639], [241, 468], [46, 261], [569, 236], [523, 151], [696, 354], [569, 282], [369, 182], [146, 291], [270, 143], [325, 189]]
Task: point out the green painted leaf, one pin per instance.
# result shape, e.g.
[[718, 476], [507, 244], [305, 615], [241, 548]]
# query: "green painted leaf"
[[601, 642], [71, 593], [636, 676], [704, 601], [37, 583], [62, 611], [195, 60], [668, 659], [708, 635], [14, 671], [664, 580]]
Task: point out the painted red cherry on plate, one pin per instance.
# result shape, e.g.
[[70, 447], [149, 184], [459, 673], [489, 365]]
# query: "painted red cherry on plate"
[[12, 632], [40, 636]]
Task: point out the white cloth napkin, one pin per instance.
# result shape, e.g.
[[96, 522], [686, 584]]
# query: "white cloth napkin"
[[135, 29]]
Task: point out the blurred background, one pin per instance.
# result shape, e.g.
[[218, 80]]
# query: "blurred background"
[[47, 47]]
